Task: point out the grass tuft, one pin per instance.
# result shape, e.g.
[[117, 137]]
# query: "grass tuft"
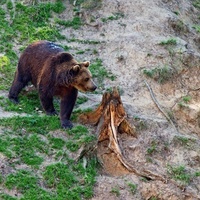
[[99, 72], [179, 173], [79, 136], [32, 124], [75, 23], [171, 41], [160, 74]]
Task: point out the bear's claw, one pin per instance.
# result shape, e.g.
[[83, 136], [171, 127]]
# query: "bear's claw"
[[66, 124], [13, 100], [53, 113]]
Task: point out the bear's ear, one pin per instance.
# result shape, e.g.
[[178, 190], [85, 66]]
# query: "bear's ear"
[[76, 68], [62, 57], [86, 64]]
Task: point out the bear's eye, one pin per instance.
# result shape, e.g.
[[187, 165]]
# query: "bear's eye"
[[86, 79]]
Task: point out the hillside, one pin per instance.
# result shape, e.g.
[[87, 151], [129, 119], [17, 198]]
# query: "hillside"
[[151, 52]]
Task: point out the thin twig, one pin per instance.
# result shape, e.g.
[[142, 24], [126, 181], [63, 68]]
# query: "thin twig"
[[158, 105]]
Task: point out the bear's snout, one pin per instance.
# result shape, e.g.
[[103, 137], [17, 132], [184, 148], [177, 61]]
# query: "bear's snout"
[[92, 86]]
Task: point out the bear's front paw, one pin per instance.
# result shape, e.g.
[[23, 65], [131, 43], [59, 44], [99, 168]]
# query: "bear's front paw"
[[51, 113], [66, 124], [13, 100]]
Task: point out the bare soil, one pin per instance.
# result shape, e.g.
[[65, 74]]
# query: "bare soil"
[[131, 44]]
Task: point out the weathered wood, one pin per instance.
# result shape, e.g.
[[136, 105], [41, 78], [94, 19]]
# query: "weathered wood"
[[111, 119]]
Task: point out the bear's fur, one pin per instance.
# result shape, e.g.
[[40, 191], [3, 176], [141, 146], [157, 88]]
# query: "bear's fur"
[[54, 73]]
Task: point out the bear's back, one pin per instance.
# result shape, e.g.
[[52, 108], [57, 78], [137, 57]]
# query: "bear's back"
[[40, 52], [36, 57]]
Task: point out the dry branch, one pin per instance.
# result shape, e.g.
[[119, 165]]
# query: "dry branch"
[[158, 105]]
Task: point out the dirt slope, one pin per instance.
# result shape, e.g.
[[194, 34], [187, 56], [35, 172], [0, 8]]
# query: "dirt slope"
[[130, 45]]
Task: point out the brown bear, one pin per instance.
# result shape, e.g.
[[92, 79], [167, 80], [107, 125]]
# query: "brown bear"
[[54, 73]]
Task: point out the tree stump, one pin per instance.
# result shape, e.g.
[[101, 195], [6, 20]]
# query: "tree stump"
[[111, 119]]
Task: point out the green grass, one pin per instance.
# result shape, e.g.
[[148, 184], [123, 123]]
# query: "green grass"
[[92, 42], [197, 28], [153, 198], [6, 70], [171, 41], [152, 148], [27, 147], [179, 173], [61, 180], [80, 52], [23, 148], [196, 4], [160, 74], [187, 99], [133, 187], [56, 143], [79, 136], [115, 16], [197, 174], [30, 103], [33, 123], [26, 135], [25, 25], [184, 101], [75, 23], [5, 143], [29, 141], [99, 72], [115, 190], [22, 180], [81, 100], [59, 176], [184, 141], [32, 22]]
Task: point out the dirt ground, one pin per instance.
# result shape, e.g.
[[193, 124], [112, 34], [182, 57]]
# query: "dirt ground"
[[130, 45]]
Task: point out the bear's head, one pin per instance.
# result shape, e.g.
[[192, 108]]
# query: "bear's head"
[[83, 77], [70, 72]]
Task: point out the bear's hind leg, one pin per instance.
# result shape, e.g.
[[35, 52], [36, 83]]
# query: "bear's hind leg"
[[17, 85], [47, 104]]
